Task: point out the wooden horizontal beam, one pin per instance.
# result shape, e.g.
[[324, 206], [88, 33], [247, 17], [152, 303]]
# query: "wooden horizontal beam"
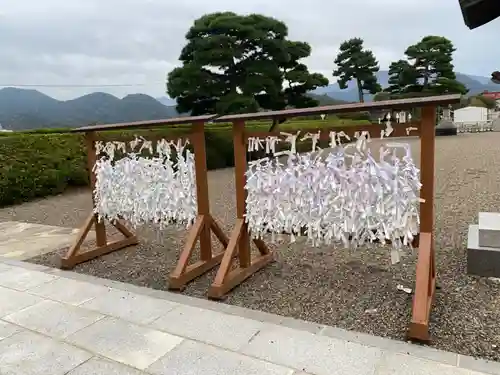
[[345, 108], [152, 137], [399, 130], [145, 124]]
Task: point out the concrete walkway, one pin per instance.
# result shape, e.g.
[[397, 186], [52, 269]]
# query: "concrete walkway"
[[55, 322], [20, 241]]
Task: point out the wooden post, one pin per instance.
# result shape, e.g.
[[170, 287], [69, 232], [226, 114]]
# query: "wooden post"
[[73, 255], [228, 276], [205, 224], [100, 228], [240, 168], [427, 147], [202, 198], [425, 279]]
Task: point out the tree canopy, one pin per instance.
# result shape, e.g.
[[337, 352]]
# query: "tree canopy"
[[402, 77], [358, 64], [428, 69], [240, 63]]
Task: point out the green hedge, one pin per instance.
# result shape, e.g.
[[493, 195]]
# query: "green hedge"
[[38, 164]]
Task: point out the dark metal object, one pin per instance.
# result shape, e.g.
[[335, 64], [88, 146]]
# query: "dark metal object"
[[479, 12], [446, 127], [495, 77]]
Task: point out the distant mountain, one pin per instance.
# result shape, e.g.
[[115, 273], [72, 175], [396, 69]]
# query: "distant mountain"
[[480, 79], [30, 109], [165, 100], [475, 84], [324, 99]]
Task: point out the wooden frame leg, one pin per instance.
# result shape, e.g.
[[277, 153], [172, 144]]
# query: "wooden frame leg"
[[227, 279], [73, 257], [425, 287], [184, 272]]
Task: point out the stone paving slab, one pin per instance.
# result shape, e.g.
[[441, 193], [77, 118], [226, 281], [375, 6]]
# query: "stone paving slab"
[[13, 301], [125, 342], [420, 351], [20, 241], [69, 291], [196, 358], [209, 326], [22, 280], [395, 364], [27, 353], [110, 328], [53, 319], [129, 306], [7, 330], [312, 353], [95, 366]]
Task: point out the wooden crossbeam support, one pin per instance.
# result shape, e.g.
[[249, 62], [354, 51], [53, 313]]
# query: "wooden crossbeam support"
[[229, 276], [74, 256], [204, 225], [200, 232]]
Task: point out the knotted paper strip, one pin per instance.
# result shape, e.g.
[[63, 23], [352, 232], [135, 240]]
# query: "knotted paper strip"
[[159, 189], [349, 197]]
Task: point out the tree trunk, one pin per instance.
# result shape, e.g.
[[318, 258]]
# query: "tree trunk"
[[360, 91], [426, 78]]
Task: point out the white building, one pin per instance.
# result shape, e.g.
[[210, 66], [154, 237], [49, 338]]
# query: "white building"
[[471, 115], [473, 119]]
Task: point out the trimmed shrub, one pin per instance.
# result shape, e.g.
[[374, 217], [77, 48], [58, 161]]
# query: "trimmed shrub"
[[39, 165]]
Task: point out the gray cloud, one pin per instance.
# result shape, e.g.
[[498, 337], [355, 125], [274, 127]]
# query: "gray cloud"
[[94, 42]]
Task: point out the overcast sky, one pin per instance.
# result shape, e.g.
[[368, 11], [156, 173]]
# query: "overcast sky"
[[114, 42]]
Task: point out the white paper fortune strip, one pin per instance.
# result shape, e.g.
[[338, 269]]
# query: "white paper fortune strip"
[[348, 197], [158, 189]]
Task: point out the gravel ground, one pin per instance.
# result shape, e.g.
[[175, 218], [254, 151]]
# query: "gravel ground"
[[353, 289]]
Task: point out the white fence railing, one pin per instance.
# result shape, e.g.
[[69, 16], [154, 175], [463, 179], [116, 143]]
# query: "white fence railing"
[[475, 127]]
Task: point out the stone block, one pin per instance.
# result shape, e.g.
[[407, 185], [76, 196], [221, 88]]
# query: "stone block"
[[396, 364], [481, 261], [28, 353], [479, 365], [69, 291], [7, 330], [196, 358], [98, 366], [12, 301], [22, 279], [133, 307], [4, 267], [315, 354], [20, 241], [211, 327], [124, 342], [489, 229], [390, 345], [54, 319]]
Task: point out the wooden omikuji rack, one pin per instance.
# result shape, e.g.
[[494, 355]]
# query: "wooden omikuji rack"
[[204, 225], [230, 275]]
